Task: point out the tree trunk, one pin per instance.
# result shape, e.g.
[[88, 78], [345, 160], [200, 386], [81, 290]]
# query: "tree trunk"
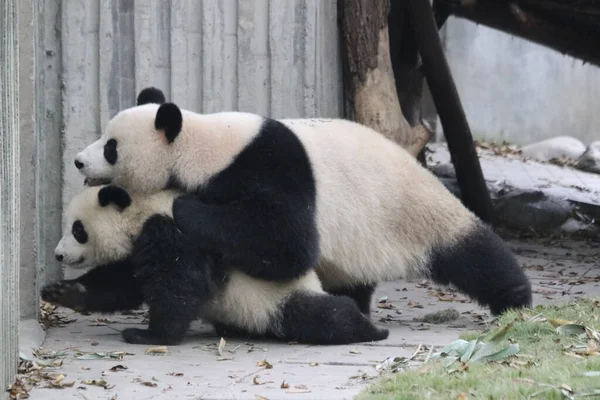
[[369, 84]]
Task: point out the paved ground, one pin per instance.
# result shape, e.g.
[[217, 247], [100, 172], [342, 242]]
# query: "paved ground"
[[559, 271], [565, 182]]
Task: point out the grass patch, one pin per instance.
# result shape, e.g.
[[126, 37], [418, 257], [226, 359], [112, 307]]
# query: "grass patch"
[[548, 365]]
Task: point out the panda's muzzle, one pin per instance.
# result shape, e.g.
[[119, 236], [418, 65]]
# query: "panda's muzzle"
[[95, 181]]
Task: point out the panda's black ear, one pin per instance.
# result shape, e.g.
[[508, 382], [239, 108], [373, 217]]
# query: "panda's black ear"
[[114, 195], [169, 119], [151, 95]]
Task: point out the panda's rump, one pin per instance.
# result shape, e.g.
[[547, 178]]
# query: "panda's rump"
[[379, 212]]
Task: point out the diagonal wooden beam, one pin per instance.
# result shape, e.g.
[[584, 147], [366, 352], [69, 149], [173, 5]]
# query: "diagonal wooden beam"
[[435, 67]]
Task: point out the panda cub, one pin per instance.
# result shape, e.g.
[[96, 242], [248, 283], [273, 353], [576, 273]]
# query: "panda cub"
[[276, 198], [138, 255]]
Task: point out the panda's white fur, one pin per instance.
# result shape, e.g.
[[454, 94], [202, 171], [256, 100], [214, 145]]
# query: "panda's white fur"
[[244, 303], [380, 215]]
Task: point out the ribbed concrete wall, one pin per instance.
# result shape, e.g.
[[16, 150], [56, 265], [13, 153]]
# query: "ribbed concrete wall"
[[9, 193], [273, 57]]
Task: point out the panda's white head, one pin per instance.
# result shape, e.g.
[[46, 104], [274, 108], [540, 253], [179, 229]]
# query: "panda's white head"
[[102, 222], [98, 227], [141, 135]]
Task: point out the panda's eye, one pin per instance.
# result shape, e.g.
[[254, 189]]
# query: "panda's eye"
[[79, 232], [110, 151]]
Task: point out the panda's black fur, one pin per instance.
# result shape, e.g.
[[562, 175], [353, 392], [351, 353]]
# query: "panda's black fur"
[[177, 281], [261, 222]]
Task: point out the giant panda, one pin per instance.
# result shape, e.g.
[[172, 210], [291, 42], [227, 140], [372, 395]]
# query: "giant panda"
[[272, 196], [138, 255]]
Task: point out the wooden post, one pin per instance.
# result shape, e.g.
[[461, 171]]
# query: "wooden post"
[[452, 116]]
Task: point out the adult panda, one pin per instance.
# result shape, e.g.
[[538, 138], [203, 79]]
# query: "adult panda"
[[274, 196], [138, 255]]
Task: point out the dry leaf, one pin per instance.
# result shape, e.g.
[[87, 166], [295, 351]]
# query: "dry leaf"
[[221, 347], [96, 382], [265, 363], [175, 373], [157, 350], [149, 384], [118, 368], [285, 385]]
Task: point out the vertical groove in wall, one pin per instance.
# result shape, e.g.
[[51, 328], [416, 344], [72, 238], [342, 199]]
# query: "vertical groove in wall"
[[27, 175], [117, 63], [213, 63], [230, 78], [253, 66], [48, 139], [186, 53], [162, 49], [310, 57], [287, 43], [81, 112], [9, 192]]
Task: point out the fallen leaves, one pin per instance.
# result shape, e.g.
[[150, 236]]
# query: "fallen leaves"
[[159, 350], [97, 382], [265, 363], [50, 318], [477, 350], [118, 355]]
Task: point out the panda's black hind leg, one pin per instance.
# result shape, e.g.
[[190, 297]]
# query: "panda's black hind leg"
[[361, 294], [326, 319], [482, 266]]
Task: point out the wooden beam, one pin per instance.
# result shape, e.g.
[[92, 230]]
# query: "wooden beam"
[[528, 22], [447, 102]]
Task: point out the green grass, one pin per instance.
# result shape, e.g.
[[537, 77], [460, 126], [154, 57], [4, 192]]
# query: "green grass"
[[536, 372]]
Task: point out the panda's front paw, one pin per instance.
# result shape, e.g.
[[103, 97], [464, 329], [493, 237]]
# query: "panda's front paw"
[[141, 336], [65, 293]]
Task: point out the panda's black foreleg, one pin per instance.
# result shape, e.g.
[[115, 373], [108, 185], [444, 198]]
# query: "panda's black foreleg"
[[266, 237], [105, 289], [361, 294], [326, 319], [176, 280]]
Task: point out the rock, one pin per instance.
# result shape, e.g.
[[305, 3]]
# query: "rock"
[[590, 159], [560, 147], [573, 225], [532, 209]]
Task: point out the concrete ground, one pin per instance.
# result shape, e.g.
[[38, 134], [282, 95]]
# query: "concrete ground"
[[194, 370]]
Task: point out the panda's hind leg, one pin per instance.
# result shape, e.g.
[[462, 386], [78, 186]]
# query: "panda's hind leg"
[[361, 294], [326, 319], [482, 266]]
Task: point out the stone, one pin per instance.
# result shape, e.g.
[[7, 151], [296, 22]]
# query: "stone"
[[590, 159], [559, 147], [523, 209]]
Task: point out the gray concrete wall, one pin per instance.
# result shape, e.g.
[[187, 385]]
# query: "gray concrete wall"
[[266, 56], [518, 91], [9, 193]]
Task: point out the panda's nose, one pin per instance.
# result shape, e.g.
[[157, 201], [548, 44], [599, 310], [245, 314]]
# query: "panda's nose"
[[78, 164], [59, 257]]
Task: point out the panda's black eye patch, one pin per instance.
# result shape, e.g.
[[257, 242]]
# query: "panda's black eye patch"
[[110, 151], [79, 232]]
